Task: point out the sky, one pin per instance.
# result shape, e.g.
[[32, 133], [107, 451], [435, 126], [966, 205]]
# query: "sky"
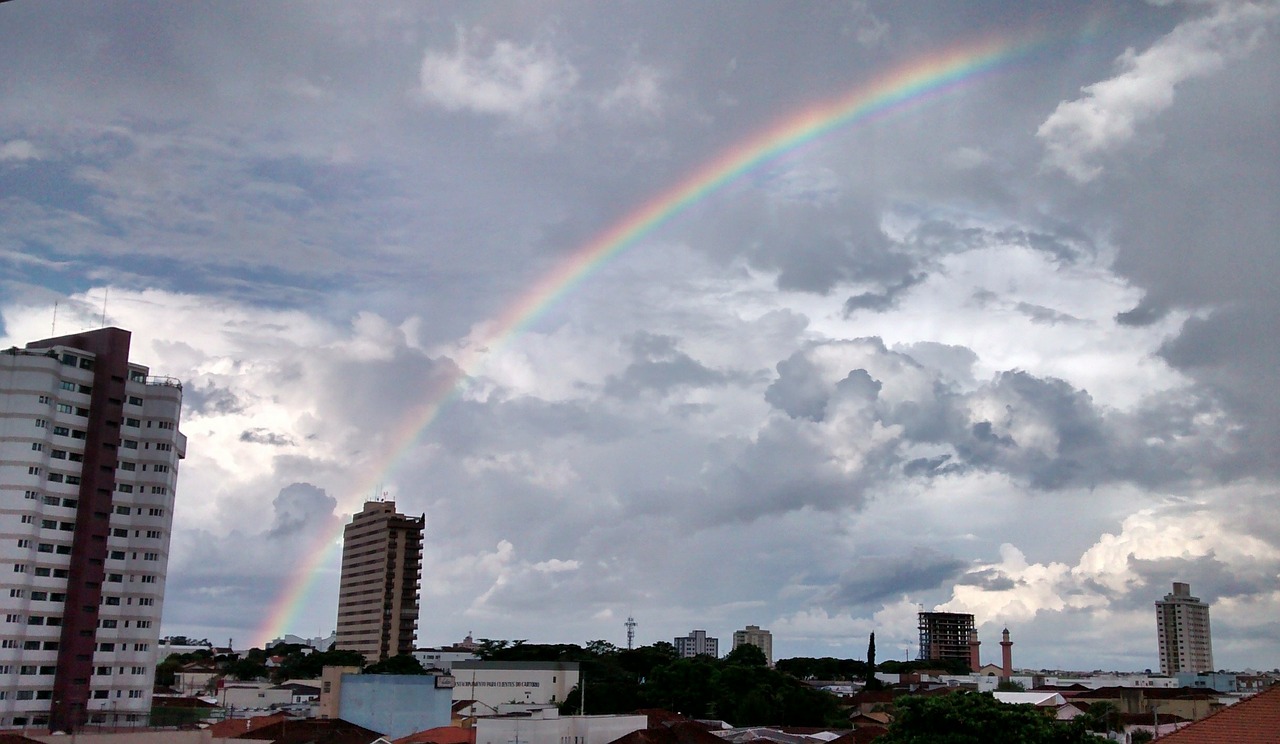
[[1006, 347]]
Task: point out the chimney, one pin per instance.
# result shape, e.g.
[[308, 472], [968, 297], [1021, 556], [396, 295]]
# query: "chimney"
[[975, 659]]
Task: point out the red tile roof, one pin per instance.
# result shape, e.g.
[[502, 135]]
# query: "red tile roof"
[[233, 727], [1254, 720], [676, 733], [441, 735]]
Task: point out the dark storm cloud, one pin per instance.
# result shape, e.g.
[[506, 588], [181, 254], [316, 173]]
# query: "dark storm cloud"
[[259, 435], [989, 579], [876, 578], [1210, 578], [658, 366], [300, 506], [880, 301], [210, 399]]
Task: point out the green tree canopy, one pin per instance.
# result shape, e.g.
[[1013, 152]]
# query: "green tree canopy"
[[398, 664], [976, 718]]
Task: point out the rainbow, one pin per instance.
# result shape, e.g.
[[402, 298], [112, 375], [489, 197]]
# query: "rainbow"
[[923, 79]]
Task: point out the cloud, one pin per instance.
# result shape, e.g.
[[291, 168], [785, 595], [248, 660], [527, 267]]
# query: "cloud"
[[525, 84], [19, 150], [1081, 132]]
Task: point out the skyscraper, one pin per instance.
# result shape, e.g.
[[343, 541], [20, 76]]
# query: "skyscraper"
[[89, 450], [378, 593], [752, 635], [1182, 622]]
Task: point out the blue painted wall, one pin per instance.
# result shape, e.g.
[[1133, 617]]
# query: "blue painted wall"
[[394, 705]]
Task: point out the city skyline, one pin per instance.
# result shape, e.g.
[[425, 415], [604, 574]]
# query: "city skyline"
[[903, 305]]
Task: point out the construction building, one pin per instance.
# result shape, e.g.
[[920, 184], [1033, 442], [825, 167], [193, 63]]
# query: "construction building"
[[89, 452], [1182, 624], [948, 636], [378, 591]]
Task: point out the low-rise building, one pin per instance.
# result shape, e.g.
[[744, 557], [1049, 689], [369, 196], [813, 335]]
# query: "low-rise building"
[[547, 726], [488, 684]]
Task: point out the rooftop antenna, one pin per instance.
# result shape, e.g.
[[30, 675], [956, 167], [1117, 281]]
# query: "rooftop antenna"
[[106, 293], [631, 632], [53, 331]]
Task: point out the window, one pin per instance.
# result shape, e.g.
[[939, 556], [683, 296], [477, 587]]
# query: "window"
[[148, 579], [62, 550], [117, 532], [146, 601], [164, 424], [124, 488], [45, 547], [19, 568], [160, 468], [150, 556], [24, 543], [139, 670], [48, 524], [54, 477], [18, 593], [27, 669], [135, 693], [122, 510], [32, 495], [68, 385], [33, 470], [35, 619], [115, 578], [125, 465], [49, 646], [111, 600], [77, 434], [8, 643], [61, 431], [42, 570], [75, 457], [28, 519], [135, 400], [153, 534], [107, 647], [39, 596], [42, 424], [70, 503], [163, 447], [106, 623], [135, 423], [86, 389], [116, 555], [63, 408], [82, 411], [57, 597], [73, 480], [144, 623], [157, 512], [37, 446], [67, 526], [86, 364], [159, 489], [130, 444]]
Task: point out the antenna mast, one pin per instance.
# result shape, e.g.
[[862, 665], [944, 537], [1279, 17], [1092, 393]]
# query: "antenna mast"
[[106, 293], [53, 330], [631, 632]]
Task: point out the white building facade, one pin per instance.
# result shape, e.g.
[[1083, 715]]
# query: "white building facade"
[[697, 643], [494, 683], [89, 451]]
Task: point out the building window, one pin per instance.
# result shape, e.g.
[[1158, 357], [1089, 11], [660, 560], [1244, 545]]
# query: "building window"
[[135, 400], [33, 470], [37, 446], [135, 423], [126, 465], [63, 408], [61, 431], [130, 444], [68, 385]]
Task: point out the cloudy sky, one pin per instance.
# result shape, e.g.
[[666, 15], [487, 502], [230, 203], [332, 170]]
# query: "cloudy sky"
[[1009, 349]]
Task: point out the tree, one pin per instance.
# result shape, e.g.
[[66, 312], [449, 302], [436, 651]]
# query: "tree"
[[1103, 717], [398, 664], [870, 681], [747, 655], [1009, 685], [976, 718]]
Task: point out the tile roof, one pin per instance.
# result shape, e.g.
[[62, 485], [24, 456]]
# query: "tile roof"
[[441, 735], [313, 731], [685, 732], [1254, 720]]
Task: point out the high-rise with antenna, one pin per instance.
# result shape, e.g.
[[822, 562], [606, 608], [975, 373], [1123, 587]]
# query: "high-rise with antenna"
[[631, 632]]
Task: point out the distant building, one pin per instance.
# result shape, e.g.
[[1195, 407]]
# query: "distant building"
[[948, 636], [88, 468], [697, 643], [443, 658], [752, 635], [378, 591], [1182, 625]]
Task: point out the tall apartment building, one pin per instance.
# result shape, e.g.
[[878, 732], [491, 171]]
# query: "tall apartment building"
[[948, 636], [752, 635], [89, 450], [697, 643], [378, 592], [1182, 622]]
